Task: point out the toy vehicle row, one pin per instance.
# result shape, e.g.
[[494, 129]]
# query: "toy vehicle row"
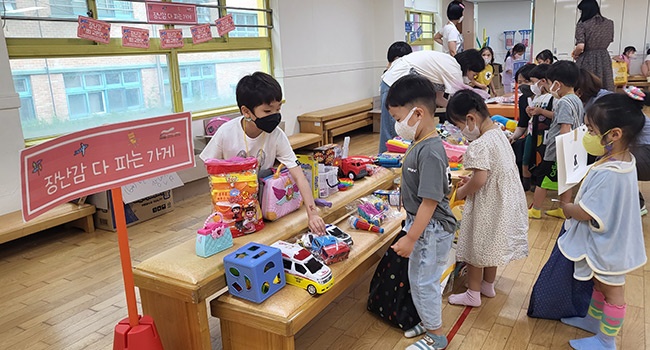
[[303, 270]]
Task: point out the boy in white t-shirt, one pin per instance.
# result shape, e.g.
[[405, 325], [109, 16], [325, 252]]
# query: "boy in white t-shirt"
[[449, 36], [256, 134]]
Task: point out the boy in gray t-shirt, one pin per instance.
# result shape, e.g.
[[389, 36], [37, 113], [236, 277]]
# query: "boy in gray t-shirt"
[[568, 115], [429, 222]]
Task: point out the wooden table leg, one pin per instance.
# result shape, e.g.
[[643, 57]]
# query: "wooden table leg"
[[181, 325], [237, 336]]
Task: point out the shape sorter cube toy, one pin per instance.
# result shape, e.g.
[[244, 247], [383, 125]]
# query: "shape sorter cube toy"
[[254, 272]]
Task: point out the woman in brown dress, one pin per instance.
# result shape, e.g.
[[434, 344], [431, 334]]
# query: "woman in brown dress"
[[594, 33]]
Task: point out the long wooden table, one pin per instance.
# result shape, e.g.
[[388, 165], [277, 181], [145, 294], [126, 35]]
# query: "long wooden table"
[[274, 323], [175, 284]]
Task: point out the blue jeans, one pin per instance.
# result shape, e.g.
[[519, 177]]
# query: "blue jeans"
[[387, 125], [426, 265]]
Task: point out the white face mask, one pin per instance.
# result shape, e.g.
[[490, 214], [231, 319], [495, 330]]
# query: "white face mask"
[[471, 135], [518, 56], [555, 92], [404, 130], [535, 89], [487, 60], [460, 20]]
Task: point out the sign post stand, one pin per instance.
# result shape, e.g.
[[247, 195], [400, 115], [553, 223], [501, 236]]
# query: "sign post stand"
[[131, 332], [102, 158]]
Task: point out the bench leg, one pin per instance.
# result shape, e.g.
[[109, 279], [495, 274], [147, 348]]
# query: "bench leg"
[[181, 325], [237, 336], [86, 223]]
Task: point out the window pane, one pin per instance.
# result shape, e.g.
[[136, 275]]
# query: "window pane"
[[93, 80], [72, 80], [68, 105], [77, 105], [113, 78], [27, 109], [20, 85], [218, 73]]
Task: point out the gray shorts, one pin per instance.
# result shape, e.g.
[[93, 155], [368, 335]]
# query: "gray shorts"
[[582, 272]]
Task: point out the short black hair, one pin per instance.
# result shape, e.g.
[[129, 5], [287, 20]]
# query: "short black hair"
[[455, 10], [412, 89], [525, 71], [539, 72], [647, 52], [566, 72], [463, 102], [546, 55], [619, 111], [257, 89], [397, 50], [470, 59], [628, 49]]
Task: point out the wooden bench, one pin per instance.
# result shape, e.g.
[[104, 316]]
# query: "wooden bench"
[[274, 323], [301, 140], [175, 284], [76, 215], [337, 120]]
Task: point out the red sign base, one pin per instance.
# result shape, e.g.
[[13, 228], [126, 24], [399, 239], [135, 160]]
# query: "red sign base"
[[144, 336]]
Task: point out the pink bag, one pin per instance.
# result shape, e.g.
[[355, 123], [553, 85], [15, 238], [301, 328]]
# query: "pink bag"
[[280, 195]]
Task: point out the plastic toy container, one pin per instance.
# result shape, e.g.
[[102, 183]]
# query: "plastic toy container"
[[254, 272], [328, 180]]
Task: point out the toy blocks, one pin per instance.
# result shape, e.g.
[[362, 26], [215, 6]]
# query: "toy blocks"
[[254, 272]]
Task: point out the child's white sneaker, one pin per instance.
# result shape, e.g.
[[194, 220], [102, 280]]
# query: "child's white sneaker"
[[429, 342], [418, 329]]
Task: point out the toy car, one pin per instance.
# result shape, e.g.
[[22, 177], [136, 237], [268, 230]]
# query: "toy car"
[[329, 249], [303, 270], [355, 167], [339, 234]]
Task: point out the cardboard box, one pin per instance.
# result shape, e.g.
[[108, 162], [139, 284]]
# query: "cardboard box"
[[329, 154], [135, 212], [310, 168]]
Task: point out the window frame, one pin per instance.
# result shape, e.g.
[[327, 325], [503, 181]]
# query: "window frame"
[[426, 40], [30, 48]]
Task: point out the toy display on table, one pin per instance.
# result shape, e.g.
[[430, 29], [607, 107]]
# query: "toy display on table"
[[329, 154], [329, 249], [397, 145], [361, 224], [316, 277], [454, 152], [455, 166], [309, 167], [234, 193], [389, 160], [390, 196], [254, 272], [328, 180], [322, 203], [372, 209], [339, 234], [345, 183], [355, 167], [280, 195], [214, 237], [451, 134]]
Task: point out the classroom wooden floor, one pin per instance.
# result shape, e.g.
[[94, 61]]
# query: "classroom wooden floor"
[[62, 289]]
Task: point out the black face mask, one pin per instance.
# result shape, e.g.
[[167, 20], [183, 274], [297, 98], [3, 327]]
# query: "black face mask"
[[268, 123], [525, 90]]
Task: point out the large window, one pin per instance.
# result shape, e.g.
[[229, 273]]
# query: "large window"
[[103, 92], [68, 84]]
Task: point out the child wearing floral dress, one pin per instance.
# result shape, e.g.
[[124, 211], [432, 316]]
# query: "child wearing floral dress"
[[494, 228], [604, 234]]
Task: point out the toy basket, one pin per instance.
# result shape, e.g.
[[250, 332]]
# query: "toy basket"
[[280, 195], [213, 237], [328, 180]]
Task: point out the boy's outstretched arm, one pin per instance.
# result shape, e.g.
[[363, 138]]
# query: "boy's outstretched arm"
[[405, 245], [316, 223]]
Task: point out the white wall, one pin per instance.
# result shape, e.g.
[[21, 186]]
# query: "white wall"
[[499, 16], [330, 53], [427, 5], [555, 22], [11, 135]]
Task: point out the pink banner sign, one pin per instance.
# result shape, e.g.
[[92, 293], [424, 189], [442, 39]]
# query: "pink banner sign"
[[135, 37], [225, 25], [92, 29], [101, 158], [171, 38], [171, 13], [201, 33]]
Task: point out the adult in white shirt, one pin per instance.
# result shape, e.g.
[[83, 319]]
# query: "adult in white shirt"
[[449, 36], [255, 134], [444, 71]]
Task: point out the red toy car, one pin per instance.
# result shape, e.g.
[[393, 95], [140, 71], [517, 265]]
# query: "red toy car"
[[355, 167]]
